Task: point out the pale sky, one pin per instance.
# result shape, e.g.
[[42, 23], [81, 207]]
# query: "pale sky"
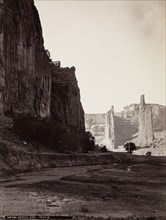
[[117, 47]]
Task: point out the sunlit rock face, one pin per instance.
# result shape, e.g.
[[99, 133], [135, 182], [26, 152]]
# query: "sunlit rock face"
[[126, 123], [110, 129], [145, 131], [131, 113], [65, 98], [96, 124], [25, 75], [102, 127]]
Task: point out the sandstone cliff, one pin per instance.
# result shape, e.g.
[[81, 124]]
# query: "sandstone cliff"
[[110, 130], [145, 131], [131, 113], [126, 123], [102, 126], [30, 84], [25, 74], [96, 124], [65, 98]]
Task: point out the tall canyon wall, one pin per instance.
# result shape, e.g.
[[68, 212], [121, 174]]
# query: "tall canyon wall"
[[65, 98], [30, 84], [26, 76]]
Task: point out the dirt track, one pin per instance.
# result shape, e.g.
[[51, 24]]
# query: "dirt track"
[[118, 190]]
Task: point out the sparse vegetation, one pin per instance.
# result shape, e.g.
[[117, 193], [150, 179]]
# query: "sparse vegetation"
[[130, 147], [104, 149], [149, 153], [88, 142]]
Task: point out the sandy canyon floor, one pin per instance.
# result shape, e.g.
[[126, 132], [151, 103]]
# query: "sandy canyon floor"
[[117, 190]]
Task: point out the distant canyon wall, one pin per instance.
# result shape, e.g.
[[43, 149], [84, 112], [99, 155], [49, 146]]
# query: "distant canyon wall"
[[30, 83], [126, 124], [102, 127]]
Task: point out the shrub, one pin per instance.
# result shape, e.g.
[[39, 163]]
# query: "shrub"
[[148, 154], [130, 147], [88, 142], [104, 149]]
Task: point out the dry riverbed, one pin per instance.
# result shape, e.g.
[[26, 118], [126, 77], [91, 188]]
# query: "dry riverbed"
[[117, 190]]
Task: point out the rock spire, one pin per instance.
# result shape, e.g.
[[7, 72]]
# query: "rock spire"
[[145, 131]]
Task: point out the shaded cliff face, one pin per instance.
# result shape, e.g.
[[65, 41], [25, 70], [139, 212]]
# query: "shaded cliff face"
[[30, 84], [65, 98], [124, 130], [25, 75]]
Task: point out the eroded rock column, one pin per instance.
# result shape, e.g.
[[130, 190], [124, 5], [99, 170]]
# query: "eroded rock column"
[[145, 132], [110, 130]]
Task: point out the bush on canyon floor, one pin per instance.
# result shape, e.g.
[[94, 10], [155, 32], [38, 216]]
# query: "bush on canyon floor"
[[130, 147], [54, 135], [103, 149], [88, 142]]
